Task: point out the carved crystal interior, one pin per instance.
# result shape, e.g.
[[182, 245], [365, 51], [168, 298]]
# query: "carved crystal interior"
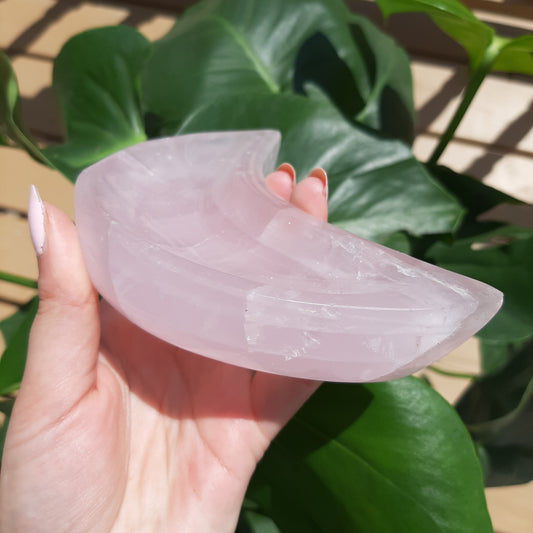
[[182, 236]]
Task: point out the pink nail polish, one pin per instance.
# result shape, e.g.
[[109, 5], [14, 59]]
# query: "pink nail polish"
[[289, 169], [320, 173], [36, 220]]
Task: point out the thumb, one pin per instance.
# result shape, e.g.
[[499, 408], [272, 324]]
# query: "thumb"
[[63, 345]]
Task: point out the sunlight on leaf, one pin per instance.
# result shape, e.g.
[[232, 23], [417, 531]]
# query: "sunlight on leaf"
[[360, 449], [374, 190], [277, 47], [96, 82]]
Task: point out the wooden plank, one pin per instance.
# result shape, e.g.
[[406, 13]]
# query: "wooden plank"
[[465, 360], [420, 36], [510, 508], [501, 113], [510, 173], [18, 171], [17, 257], [520, 9], [505, 23], [19, 16], [170, 6], [41, 27], [70, 19], [156, 26]]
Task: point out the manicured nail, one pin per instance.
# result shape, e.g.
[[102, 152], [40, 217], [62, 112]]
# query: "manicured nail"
[[320, 173], [289, 169], [36, 220]]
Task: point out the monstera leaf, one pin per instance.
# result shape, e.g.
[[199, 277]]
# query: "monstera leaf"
[[376, 186], [354, 451], [96, 82], [502, 258], [276, 47], [477, 38]]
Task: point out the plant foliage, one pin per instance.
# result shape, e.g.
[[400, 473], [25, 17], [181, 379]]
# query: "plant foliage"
[[380, 457]]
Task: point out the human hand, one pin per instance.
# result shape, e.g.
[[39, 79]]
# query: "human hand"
[[115, 430]]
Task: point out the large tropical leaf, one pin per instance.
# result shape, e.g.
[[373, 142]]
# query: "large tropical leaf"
[[96, 82], [477, 38], [476, 197], [222, 47], [388, 457], [515, 55], [497, 409], [502, 258], [16, 330], [376, 186]]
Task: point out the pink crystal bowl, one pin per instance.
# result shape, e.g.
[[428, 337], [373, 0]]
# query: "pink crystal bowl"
[[182, 236]]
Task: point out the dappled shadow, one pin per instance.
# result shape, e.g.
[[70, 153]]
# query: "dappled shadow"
[[435, 105], [41, 115], [509, 137], [318, 62], [136, 17], [31, 33]]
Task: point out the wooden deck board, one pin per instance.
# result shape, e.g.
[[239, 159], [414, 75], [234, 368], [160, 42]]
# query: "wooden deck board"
[[508, 172], [500, 114]]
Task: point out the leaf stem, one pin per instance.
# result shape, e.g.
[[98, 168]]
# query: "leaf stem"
[[18, 280], [451, 374], [27, 144], [476, 79]]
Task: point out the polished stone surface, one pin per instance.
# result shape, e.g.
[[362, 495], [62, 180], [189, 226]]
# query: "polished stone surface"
[[182, 236]]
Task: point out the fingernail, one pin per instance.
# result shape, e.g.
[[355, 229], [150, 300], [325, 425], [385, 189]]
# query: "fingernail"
[[36, 220], [320, 173], [289, 169]]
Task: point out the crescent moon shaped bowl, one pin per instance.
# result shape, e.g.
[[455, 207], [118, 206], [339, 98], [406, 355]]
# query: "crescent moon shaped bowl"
[[182, 236]]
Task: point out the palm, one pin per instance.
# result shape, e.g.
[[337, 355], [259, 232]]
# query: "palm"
[[213, 421], [166, 438], [114, 429]]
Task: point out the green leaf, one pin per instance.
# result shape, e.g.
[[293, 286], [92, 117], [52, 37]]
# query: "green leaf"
[[497, 394], [495, 354], [498, 410], [10, 325], [397, 241], [11, 124], [451, 17], [96, 79], [376, 186], [388, 108], [476, 37], [476, 197], [504, 259], [515, 55], [3, 432], [384, 457], [14, 357], [254, 522], [255, 47]]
